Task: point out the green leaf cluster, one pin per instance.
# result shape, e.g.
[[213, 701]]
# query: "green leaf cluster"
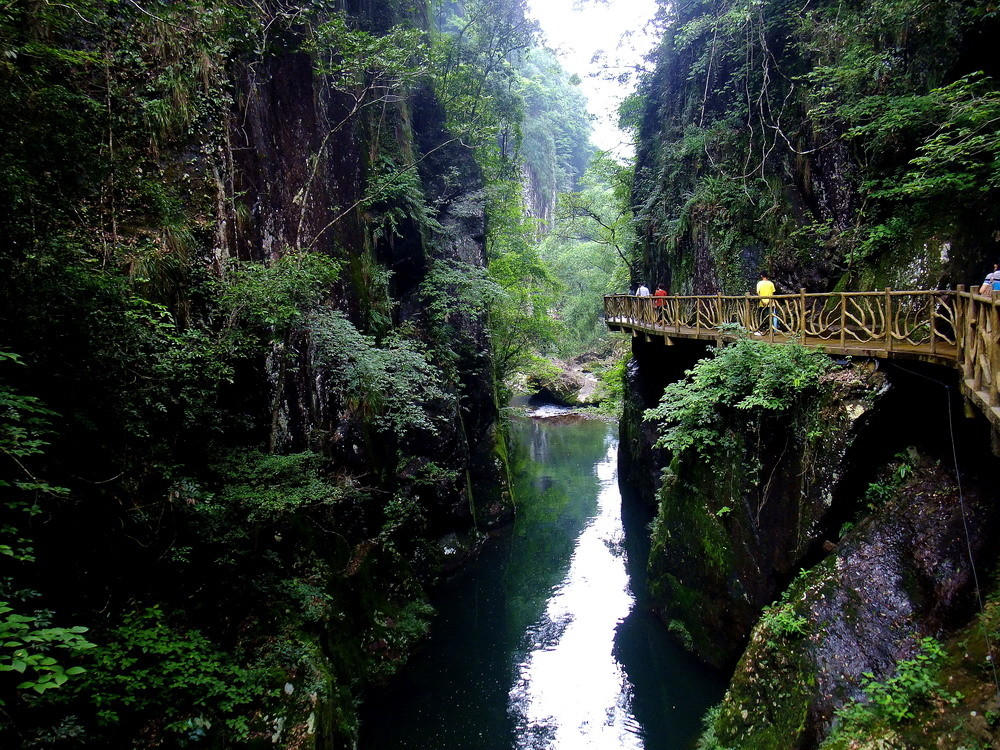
[[889, 703], [591, 251], [28, 642], [393, 384], [273, 296], [150, 667], [748, 380]]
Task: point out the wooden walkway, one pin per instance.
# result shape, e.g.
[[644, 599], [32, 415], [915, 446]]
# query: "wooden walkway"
[[957, 328]]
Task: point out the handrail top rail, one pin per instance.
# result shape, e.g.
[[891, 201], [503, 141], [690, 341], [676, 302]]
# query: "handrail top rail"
[[995, 299], [796, 295]]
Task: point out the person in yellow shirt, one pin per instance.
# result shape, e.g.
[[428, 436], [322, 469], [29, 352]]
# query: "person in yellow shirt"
[[765, 290]]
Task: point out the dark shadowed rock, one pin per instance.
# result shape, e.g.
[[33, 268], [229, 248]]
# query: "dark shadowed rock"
[[902, 574]]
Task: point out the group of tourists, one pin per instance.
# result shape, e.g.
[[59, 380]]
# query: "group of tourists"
[[643, 291], [765, 290]]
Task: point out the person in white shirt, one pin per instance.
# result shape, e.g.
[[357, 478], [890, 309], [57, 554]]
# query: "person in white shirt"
[[642, 291]]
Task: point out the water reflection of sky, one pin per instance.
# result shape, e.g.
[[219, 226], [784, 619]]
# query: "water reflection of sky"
[[570, 691], [535, 646]]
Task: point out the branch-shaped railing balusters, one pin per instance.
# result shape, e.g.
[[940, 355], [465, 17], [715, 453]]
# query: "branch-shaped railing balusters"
[[956, 326]]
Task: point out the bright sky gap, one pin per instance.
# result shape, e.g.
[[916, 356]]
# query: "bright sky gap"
[[615, 30]]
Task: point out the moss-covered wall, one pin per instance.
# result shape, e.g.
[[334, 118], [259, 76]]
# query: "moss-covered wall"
[[734, 525], [836, 146], [898, 576], [250, 419]]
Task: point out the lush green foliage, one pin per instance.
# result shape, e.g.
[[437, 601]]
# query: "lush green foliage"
[[272, 297], [32, 647], [520, 323], [394, 384], [882, 113], [270, 436], [147, 667], [476, 50], [748, 380], [780, 618], [28, 644], [891, 702], [591, 250], [556, 133], [708, 739]]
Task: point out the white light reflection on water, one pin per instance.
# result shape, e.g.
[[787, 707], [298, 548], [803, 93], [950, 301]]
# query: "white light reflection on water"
[[570, 691]]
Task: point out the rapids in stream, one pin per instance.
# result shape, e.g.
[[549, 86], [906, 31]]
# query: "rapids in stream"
[[546, 640]]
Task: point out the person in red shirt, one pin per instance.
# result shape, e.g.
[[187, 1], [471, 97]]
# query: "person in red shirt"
[[658, 296]]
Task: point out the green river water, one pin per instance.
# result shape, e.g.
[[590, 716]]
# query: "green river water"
[[546, 639]]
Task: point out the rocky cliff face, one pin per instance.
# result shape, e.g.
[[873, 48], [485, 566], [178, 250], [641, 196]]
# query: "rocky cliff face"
[[731, 530], [846, 512], [900, 575], [775, 138], [233, 269], [804, 143], [301, 166]]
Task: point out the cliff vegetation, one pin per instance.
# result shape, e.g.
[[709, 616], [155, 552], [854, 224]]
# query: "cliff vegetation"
[[264, 270], [821, 530]]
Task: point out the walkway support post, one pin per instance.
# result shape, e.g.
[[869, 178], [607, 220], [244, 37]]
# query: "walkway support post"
[[888, 319], [932, 311], [843, 317], [961, 315], [802, 312]]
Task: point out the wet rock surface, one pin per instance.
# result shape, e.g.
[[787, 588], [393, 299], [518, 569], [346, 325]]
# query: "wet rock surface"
[[901, 574]]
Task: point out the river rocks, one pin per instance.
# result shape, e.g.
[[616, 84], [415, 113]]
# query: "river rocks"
[[566, 384]]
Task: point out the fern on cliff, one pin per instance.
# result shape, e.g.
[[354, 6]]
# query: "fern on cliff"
[[747, 378]]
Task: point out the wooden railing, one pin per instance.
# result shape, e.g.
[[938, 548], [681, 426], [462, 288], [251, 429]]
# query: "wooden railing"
[[954, 327]]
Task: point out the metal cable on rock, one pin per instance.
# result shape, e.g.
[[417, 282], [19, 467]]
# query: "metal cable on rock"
[[965, 522]]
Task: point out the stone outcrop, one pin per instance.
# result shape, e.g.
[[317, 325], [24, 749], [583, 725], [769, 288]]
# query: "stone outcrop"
[[731, 532], [899, 575]]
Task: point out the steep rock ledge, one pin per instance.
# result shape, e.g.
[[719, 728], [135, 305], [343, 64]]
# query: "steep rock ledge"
[[901, 574], [729, 534]]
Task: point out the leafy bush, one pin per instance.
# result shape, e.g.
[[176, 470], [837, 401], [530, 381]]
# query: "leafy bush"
[[895, 700], [393, 383], [29, 641], [708, 739], [28, 644], [264, 487], [148, 669], [275, 295], [781, 620], [612, 384], [746, 378]]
